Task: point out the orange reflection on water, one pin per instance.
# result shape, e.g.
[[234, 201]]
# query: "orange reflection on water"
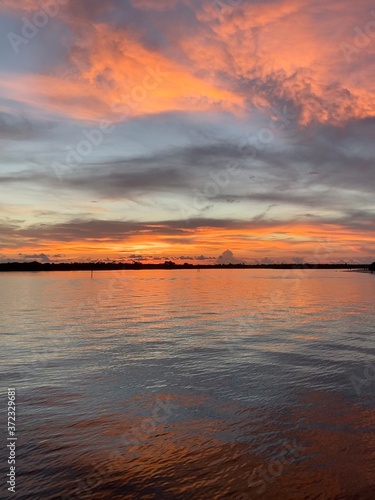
[[189, 459]]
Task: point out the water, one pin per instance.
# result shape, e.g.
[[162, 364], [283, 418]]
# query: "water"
[[216, 384]]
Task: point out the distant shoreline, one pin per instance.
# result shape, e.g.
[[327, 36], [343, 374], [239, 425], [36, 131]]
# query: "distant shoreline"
[[103, 266], [366, 270]]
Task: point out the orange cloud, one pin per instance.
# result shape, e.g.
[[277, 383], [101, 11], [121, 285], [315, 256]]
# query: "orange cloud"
[[137, 81], [312, 242], [51, 94], [113, 76], [250, 54], [291, 50], [24, 5]]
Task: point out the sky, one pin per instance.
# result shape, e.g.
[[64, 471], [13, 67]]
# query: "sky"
[[197, 131]]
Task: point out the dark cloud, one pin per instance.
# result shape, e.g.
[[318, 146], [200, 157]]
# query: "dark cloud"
[[197, 257], [14, 127], [316, 176], [330, 160], [42, 257], [203, 257], [96, 230], [138, 257], [107, 230]]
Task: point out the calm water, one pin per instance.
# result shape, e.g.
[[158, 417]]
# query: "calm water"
[[242, 384]]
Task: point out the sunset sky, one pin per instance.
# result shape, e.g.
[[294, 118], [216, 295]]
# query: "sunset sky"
[[178, 129]]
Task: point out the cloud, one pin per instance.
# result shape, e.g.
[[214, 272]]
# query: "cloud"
[[258, 56], [40, 257], [227, 257], [197, 257], [138, 257], [106, 239], [307, 172], [14, 128], [203, 257], [152, 5], [25, 5]]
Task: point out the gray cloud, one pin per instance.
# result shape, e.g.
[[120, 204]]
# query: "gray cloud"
[[330, 169], [42, 257], [13, 127], [172, 230], [227, 257]]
